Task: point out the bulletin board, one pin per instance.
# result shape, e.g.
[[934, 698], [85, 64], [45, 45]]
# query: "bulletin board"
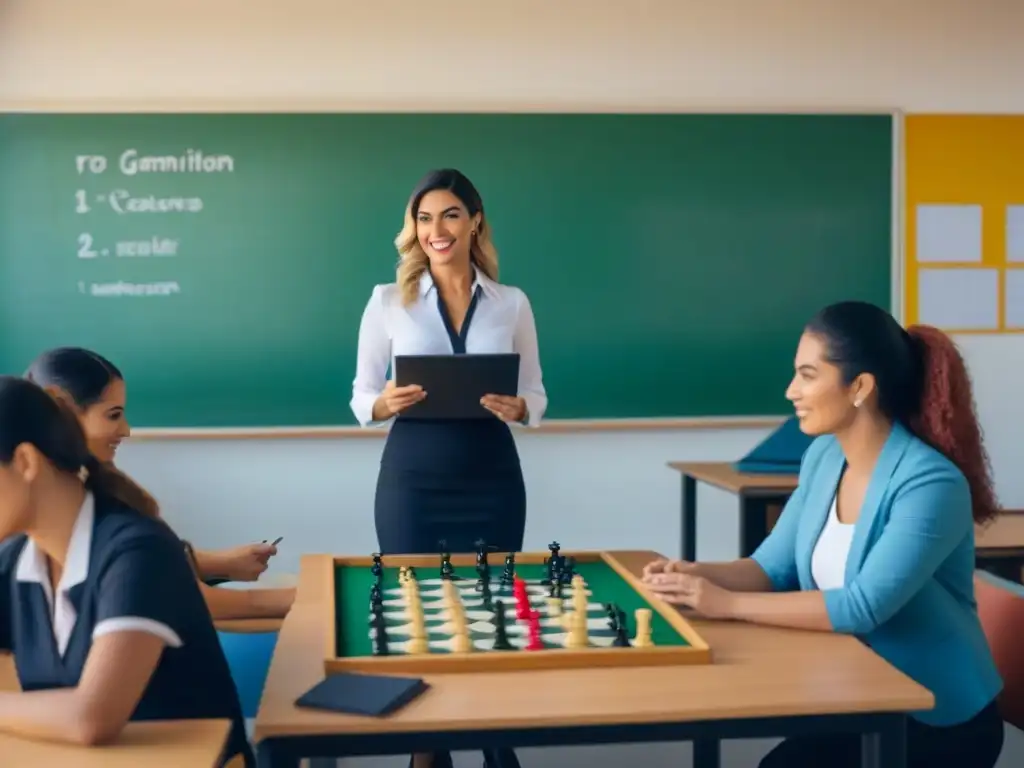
[[964, 222]]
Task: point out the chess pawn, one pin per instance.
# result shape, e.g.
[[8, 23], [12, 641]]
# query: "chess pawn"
[[579, 594], [450, 592], [418, 644], [576, 637], [643, 628], [418, 634], [566, 620], [460, 640]]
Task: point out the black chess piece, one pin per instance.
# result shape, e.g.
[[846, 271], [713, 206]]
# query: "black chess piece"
[[612, 612], [446, 560], [377, 570], [568, 570], [481, 553], [501, 642], [485, 594], [621, 620], [621, 628], [380, 635], [483, 573], [554, 547], [376, 599], [621, 637], [447, 571], [509, 574]]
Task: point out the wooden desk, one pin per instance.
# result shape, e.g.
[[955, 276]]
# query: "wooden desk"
[[177, 743], [167, 744], [763, 682], [999, 546], [757, 494]]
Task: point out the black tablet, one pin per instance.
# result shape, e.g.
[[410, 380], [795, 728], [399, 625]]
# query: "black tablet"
[[455, 383], [360, 694]]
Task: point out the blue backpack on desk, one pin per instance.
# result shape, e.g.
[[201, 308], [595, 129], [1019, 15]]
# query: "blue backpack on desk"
[[778, 454]]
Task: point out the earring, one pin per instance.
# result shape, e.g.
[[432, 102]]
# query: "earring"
[[83, 474], [857, 403]]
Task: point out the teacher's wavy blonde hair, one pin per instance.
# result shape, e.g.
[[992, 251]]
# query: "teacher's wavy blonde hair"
[[413, 262]]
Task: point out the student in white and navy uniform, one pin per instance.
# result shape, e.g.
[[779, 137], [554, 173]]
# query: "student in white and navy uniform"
[[95, 390], [98, 602], [459, 480]]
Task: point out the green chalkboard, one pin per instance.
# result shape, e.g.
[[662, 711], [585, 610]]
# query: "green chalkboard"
[[223, 261]]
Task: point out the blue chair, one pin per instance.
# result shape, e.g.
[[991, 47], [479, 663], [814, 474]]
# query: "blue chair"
[[248, 655]]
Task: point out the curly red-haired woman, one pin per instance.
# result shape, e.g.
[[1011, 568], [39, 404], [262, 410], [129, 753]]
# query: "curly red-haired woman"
[[877, 541]]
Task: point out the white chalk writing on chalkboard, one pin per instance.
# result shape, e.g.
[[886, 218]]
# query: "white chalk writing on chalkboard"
[[131, 163]]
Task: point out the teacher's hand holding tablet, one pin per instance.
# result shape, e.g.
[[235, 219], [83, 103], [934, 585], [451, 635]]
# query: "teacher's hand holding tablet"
[[505, 407], [393, 400]]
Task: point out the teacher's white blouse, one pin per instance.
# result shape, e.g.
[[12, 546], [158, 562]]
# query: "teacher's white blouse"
[[502, 322]]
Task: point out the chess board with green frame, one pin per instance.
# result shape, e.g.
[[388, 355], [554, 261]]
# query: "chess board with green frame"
[[350, 642]]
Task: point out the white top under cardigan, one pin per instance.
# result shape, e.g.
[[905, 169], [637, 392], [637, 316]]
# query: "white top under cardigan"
[[828, 561]]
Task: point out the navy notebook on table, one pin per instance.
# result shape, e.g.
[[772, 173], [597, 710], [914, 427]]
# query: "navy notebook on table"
[[358, 694], [778, 454]]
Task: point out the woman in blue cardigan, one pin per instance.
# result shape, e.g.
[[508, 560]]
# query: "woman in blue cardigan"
[[877, 541]]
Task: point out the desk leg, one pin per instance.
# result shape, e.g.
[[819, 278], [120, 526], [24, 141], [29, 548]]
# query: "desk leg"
[[888, 747], [688, 519], [707, 753], [753, 523]]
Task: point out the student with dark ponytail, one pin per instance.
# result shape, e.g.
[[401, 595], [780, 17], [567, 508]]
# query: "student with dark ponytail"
[[98, 602], [94, 389], [877, 541]]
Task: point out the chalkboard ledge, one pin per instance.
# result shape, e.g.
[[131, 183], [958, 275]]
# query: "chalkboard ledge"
[[549, 427]]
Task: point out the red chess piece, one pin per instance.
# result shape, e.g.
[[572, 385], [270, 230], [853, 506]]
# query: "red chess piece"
[[533, 632], [522, 598]]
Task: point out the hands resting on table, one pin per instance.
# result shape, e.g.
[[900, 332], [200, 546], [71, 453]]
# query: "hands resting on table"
[[680, 582]]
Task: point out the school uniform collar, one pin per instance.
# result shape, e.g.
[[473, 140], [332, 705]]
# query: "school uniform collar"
[[480, 281], [32, 569], [32, 564]]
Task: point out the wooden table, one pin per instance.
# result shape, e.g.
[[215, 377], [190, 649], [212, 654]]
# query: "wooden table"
[[757, 494], [165, 744], [763, 682], [162, 744]]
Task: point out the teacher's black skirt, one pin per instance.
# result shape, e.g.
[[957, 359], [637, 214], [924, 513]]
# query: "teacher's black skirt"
[[456, 480]]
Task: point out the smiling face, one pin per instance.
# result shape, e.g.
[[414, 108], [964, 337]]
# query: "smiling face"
[[104, 421], [824, 403], [444, 228]]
